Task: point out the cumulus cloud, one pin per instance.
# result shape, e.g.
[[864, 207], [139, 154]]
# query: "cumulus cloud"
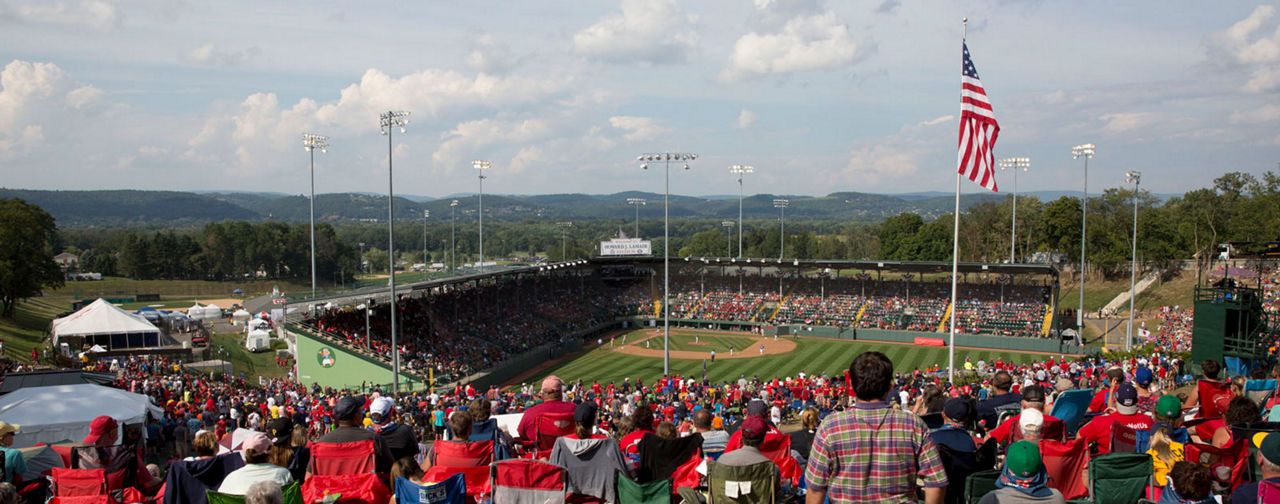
[[746, 119], [637, 128], [1124, 122], [489, 55], [208, 54], [1266, 113], [1247, 44], [808, 42], [653, 31], [467, 139], [24, 84], [94, 14], [938, 120], [896, 158]]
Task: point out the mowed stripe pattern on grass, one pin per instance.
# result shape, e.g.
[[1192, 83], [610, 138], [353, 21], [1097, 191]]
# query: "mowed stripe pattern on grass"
[[812, 355]]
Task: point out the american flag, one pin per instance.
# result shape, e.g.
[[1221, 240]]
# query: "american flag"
[[978, 128]]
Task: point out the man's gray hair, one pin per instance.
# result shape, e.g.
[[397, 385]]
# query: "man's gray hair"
[[264, 492], [8, 493]]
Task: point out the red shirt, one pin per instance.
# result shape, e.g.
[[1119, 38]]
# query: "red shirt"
[[526, 426], [1053, 428], [1099, 429]]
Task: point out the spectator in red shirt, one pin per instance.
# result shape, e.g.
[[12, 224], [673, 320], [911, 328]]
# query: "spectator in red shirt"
[[1032, 399], [1099, 429], [552, 402], [1103, 399]]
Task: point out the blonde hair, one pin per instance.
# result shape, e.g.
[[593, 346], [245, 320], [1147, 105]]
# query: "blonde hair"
[[206, 444], [809, 418]]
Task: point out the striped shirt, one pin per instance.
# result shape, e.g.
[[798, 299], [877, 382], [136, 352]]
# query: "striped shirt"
[[873, 453]]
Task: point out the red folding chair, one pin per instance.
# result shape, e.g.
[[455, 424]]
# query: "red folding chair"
[[458, 454], [777, 447], [1235, 457], [520, 481], [357, 488], [1065, 463], [475, 478], [78, 482], [342, 458], [547, 427]]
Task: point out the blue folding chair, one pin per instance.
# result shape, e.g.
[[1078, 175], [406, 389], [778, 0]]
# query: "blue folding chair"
[[1071, 407], [453, 490], [1259, 391]]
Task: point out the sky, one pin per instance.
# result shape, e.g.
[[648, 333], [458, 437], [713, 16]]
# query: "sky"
[[818, 96]]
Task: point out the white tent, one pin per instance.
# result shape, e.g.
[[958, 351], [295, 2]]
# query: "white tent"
[[258, 324], [241, 315], [258, 339], [64, 412], [196, 312], [212, 311], [103, 322]]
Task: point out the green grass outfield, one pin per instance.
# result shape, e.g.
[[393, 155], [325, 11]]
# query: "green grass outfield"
[[813, 355]]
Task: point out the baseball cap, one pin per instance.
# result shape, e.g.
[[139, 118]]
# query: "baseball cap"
[[1169, 406], [1030, 417], [1023, 459], [757, 408], [6, 427], [1269, 447], [754, 427], [1064, 384], [1034, 393], [382, 406], [101, 426], [257, 442], [585, 413], [1143, 376], [956, 409], [552, 382], [280, 430], [1127, 399], [348, 407]]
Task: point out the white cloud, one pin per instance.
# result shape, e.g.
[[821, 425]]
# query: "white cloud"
[[638, 128], [95, 14], [938, 120], [1127, 121], [894, 160], [809, 42], [1266, 113], [489, 55], [208, 54], [746, 119], [23, 84], [1247, 44], [653, 31], [83, 96], [469, 138], [1264, 79]]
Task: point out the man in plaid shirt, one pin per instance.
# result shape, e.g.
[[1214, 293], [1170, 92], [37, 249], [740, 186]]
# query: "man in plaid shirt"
[[873, 453]]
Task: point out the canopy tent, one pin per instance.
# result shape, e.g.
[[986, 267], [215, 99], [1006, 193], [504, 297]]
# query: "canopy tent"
[[212, 311], [259, 324], [104, 323], [61, 412], [258, 339], [39, 459], [240, 315]]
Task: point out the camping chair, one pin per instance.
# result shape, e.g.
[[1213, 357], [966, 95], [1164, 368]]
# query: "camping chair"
[[78, 482], [1071, 407], [181, 486], [119, 462], [358, 488], [292, 495], [488, 431], [753, 484], [777, 447], [979, 484], [475, 479], [1065, 463], [455, 454], [933, 420], [521, 481], [546, 428], [1235, 456], [630, 492], [1259, 391], [958, 465], [1268, 491], [678, 459], [1124, 439], [1119, 477], [329, 459], [585, 465], [453, 490]]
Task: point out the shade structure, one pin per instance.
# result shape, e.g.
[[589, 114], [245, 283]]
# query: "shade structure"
[[64, 412], [105, 324]]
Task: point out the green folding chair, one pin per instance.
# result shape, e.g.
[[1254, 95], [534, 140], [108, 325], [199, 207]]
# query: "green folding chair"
[[630, 492], [292, 495], [979, 484], [1118, 478], [753, 484]]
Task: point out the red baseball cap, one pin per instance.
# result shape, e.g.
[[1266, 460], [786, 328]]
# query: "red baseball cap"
[[101, 426]]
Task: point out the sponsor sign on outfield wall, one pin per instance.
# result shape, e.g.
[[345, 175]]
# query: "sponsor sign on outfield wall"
[[626, 247]]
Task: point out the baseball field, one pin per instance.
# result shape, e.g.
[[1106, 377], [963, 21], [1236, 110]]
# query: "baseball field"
[[638, 354]]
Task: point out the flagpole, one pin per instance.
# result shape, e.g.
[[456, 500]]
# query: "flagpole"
[[955, 255]]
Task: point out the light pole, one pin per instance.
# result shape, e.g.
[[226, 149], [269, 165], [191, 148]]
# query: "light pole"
[[781, 204], [311, 143], [1014, 163], [388, 122], [1135, 177], [636, 202], [481, 166], [666, 158], [426, 214], [453, 244], [361, 265], [740, 170], [728, 226], [1082, 151], [564, 233]]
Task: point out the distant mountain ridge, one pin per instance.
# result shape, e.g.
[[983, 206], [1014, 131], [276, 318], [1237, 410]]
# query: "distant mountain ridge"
[[176, 208]]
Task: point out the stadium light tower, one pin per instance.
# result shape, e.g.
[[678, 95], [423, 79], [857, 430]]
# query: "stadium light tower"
[[636, 202], [740, 170], [728, 226], [481, 166], [389, 121], [564, 233], [453, 244], [311, 143], [1014, 163], [1082, 151], [782, 229], [666, 158], [1134, 177]]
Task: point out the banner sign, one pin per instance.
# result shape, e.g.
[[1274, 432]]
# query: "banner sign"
[[626, 247]]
